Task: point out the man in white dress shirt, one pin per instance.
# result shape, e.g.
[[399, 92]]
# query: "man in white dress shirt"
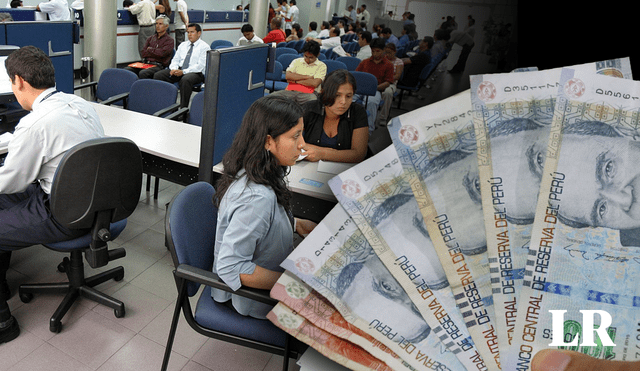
[[57, 122], [187, 66], [248, 36], [58, 10]]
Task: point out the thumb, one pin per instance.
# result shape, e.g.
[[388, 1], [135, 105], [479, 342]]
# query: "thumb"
[[565, 360]]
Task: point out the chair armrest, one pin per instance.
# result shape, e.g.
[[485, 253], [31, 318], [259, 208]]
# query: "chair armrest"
[[85, 85], [166, 110], [211, 279], [181, 112], [115, 98]]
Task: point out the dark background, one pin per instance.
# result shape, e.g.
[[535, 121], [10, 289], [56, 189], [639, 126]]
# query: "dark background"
[[557, 33]]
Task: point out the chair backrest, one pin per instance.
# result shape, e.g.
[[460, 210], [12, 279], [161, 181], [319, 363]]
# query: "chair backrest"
[[281, 44], [276, 75], [366, 83], [299, 45], [330, 54], [97, 176], [350, 47], [286, 59], [334, 65], [196, 109], [285, 50], [149, 96], [321, 56], [190, 228], [351, 62], [114, 81], [223, 43]]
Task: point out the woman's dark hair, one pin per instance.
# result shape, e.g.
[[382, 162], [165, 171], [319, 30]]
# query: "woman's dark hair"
[[332, 83], [298, 29], [267, 116]]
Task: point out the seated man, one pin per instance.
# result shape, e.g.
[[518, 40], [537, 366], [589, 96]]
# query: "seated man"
[[57, 122], [248, 36], [389, 37], [276, 35], [187, 66], [413, 65], [382, 69], [157, 50], [58, 10], [332, 41], [365, 48], [313, 26], [305, 75]]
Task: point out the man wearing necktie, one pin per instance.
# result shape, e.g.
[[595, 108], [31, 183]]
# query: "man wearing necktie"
[[187, 66]]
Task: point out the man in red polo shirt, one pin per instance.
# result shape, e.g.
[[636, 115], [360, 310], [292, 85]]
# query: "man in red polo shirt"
[[382, 69]]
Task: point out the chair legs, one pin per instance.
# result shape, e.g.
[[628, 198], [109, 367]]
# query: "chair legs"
[[157, 184], [78, 286]]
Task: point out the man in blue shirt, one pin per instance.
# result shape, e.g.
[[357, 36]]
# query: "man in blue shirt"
[[389, 36]]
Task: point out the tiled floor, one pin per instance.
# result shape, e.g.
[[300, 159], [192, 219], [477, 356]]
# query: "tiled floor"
[[92, 338]]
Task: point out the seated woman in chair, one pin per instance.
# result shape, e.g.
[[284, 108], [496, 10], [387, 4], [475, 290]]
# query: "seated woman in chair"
[[336, 129], [255, 224]]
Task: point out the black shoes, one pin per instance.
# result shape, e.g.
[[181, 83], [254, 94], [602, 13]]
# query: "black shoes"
[[9, 330]]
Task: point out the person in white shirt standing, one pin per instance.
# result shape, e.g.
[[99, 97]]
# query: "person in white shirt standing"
[[145, 11], [181, 20], [248, 36], [292, 16], [187, 66], [56, 122], [58, 10]]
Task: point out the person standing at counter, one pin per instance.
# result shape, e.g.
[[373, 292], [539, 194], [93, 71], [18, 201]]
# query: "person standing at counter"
[[145, 11], [58, 10], [181, 20]]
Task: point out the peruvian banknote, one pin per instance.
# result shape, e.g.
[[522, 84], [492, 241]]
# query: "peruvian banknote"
[[316, 309], [378, 197], [436, 146], [331, 346], [512, 115], [337, 261], [583, 259]]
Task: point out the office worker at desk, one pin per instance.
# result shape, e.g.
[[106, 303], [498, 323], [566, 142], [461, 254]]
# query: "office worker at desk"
[[58, 10], [57, 122], [255, 224], [335, 129], [187, 66]]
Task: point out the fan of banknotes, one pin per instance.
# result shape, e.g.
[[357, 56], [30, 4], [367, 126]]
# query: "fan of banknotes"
[[502, 220]]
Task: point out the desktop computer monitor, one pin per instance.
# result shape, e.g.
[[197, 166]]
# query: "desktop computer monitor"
[[6, 94]]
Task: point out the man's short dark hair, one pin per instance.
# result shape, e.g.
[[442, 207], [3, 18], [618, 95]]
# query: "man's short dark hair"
[[326, 24], [386, 31], [378, 43], [33, 65], [196, 25], [246, 28], [127, 3], [16, 3], [366, 35], [364, 6], [429, 40], [312, 47], [313, 26], [334, 31]]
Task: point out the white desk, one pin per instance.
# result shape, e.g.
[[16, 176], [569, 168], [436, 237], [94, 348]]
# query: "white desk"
[[180, 143]]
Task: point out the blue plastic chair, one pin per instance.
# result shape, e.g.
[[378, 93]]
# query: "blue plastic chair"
[[330, 54], [190, 230], [222, 43], [366, 84], [334, 65], [285, 50], [153, 97], [286, 59], [273, 77], [351, 62], [299, 45], [112, 83]]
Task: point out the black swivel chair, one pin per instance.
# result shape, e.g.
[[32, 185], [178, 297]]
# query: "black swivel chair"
[[96, 187]]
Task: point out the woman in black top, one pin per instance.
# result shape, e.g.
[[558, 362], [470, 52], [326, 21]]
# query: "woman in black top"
[[335, 129]]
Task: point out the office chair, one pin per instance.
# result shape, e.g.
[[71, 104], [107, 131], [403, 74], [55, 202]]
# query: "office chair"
[[422, 78], [366, 84], [285, 50], [192, 114], [113, 83], [96, 187], [273, 81], [190, 228], [351, 62], [330, 54]]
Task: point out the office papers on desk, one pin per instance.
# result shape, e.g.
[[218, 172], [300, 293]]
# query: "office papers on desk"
[[332, 167]]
